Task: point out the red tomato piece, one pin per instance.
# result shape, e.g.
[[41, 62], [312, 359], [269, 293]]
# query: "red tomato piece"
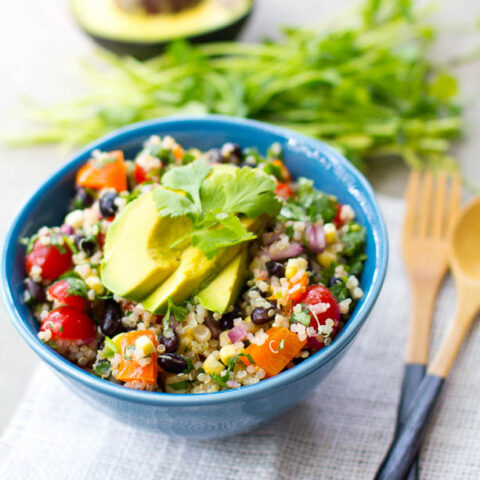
[[316, 295], [68, 323], [284, 191], [61, 291], [50, 259], [140, 173], [338, 220]]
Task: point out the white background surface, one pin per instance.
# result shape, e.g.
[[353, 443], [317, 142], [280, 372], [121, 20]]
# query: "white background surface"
[[39, 45]]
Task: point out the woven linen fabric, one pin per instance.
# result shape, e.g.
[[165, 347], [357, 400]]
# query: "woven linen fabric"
[[340, 432]]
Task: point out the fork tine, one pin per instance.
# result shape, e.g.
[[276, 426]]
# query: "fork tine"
[[439, 205], [455, 197], [411, 196], [426, 200]]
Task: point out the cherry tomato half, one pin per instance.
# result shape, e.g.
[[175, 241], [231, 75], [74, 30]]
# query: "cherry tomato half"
[[68, 323], [61, 291], [140, 173], [50, 259], [316, 295], [284, 191]]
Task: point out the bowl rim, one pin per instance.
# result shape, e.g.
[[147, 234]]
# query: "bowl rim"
[[64, 366]]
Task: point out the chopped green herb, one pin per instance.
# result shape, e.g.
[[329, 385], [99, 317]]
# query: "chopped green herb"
[[184, 385], [101, 368], [301, 317], [76, 286], [110, 348]]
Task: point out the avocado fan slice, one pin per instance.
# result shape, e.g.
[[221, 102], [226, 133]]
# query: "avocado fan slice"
[[131, 267], [225, 288], [196, 270]]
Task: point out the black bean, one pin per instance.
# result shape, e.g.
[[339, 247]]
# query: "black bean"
[[260, 316], [101, 344], [82, 198], [213, 326], [276, 268], [87, 245], [333, 281], [107, 204], [226, 322], [171, 343], [172, 362], [237, 151], [110, 322], [231, 153], [35, 290]]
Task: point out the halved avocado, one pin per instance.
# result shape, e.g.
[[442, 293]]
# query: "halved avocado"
[[196, 271], [143, 34], [137, 256], [223, 291]]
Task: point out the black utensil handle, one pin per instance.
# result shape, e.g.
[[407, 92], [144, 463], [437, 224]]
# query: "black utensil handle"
[[405, 445], [412, 378]]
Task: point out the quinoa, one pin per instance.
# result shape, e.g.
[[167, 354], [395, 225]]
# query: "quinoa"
[[303, 278]]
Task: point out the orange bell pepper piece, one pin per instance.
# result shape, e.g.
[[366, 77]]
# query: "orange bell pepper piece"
[[297, 289], [129, 369], [278, 350], [112, 174]]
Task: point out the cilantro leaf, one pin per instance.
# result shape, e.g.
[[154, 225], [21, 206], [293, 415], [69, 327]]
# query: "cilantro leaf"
[[76, 286], [231, 232], [301, 317], [171, 204], [353, 240], [251, 192], [177, 311], [188, 178]]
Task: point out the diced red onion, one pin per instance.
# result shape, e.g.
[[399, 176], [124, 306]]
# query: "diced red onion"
[[213, 326], [67, 229], [291, 250], [237, 334], [315, 238]]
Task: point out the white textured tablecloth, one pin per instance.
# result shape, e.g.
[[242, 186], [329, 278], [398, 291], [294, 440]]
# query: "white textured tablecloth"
[[341, 432]]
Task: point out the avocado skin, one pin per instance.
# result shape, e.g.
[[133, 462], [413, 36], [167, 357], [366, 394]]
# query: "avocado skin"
[[144, 51]]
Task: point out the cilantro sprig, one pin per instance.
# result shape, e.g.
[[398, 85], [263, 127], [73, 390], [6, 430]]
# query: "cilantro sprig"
[[213, 203], [177, 311]]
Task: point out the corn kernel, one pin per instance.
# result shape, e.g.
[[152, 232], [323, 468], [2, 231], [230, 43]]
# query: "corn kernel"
[[185, 342], [224, 339], [202, 333], [291, 270], [144, 346], [229, 351], [95, 284], [326, 258], [330, 233], [117, 339], [212, 365]]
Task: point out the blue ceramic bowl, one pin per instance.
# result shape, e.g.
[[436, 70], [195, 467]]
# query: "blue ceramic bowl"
[[221, 413]]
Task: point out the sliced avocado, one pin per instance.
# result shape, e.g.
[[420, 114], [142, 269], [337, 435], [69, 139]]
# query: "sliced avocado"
[[131, 267], [223, 291], [196, 270], [143, 31]]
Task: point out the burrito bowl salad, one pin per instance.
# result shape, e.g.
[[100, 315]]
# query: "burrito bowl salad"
[[184, 271]]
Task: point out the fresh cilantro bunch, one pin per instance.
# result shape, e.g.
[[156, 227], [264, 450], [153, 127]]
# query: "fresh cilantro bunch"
[[213, 203]]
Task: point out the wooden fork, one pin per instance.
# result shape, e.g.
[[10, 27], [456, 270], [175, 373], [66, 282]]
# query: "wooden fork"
[[432, 201]]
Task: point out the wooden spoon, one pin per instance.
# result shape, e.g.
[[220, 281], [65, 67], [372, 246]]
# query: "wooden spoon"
[[464, 257]]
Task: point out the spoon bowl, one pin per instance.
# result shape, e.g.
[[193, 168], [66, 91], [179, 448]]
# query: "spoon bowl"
[[465, 242]]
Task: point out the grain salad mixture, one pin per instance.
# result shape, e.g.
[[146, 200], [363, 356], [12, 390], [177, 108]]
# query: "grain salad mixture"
[[184, 271]]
